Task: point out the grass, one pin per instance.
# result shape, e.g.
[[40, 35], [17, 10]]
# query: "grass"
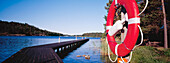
[[148, 54], [143, 54], [104, 52]]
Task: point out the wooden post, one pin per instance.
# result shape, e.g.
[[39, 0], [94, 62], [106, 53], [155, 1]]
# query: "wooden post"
[[76, 37], [58, 50], [64, 47], [165, 26], [61, 48], [59, 39]]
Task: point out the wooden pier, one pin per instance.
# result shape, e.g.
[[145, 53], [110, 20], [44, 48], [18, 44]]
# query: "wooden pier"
[[43, 53]]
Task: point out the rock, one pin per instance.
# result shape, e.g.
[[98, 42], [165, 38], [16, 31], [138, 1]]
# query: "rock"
[[78, 56], [87, 57]]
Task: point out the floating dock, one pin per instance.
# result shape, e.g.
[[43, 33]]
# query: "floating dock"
[[43, 53]]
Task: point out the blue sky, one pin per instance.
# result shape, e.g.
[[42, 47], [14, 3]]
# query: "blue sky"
[[64, 16]]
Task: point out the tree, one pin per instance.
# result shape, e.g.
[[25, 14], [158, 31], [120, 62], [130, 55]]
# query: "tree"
[[165, 28]]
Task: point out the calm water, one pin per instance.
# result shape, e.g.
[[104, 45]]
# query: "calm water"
[[12, 44], [92, 48]]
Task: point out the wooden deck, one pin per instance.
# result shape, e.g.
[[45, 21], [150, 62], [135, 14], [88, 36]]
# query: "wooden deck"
[[42, 53]]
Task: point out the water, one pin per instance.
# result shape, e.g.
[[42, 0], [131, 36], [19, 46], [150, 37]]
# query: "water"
[[92, 48], [9, 45]]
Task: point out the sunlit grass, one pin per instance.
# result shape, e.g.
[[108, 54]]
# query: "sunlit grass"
[[148, 54], [142, 54], [104, 52]]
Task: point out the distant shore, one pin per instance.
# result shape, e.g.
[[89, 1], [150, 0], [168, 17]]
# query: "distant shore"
[[6, 34]]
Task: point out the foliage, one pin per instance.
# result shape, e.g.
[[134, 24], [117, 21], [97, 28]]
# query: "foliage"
[[152, 20], [7, 28], [96, 34]]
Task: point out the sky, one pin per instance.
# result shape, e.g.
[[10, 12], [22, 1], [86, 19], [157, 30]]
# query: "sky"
[[63, 16]]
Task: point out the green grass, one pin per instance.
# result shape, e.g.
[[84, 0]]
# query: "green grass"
[[147, 54], [142, 54]]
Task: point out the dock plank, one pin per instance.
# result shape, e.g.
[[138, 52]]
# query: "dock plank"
[[41, 53]]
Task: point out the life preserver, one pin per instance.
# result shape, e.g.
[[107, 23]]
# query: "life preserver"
[[133, 30]]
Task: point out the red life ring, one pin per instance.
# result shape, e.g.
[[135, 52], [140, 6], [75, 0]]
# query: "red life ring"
[[133, 31]]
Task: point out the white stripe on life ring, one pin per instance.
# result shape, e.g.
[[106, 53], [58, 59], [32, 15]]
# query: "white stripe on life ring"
[[116, 47], [115, 1], [134, 20], [108, 27]]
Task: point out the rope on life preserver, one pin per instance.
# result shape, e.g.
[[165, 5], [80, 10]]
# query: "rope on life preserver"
[[144, 8], [125, 46], [122, 60], [136, 45], [109, 53]]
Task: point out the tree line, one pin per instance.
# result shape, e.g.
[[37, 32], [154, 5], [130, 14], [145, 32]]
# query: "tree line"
[[24, 29], [95, 34]]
